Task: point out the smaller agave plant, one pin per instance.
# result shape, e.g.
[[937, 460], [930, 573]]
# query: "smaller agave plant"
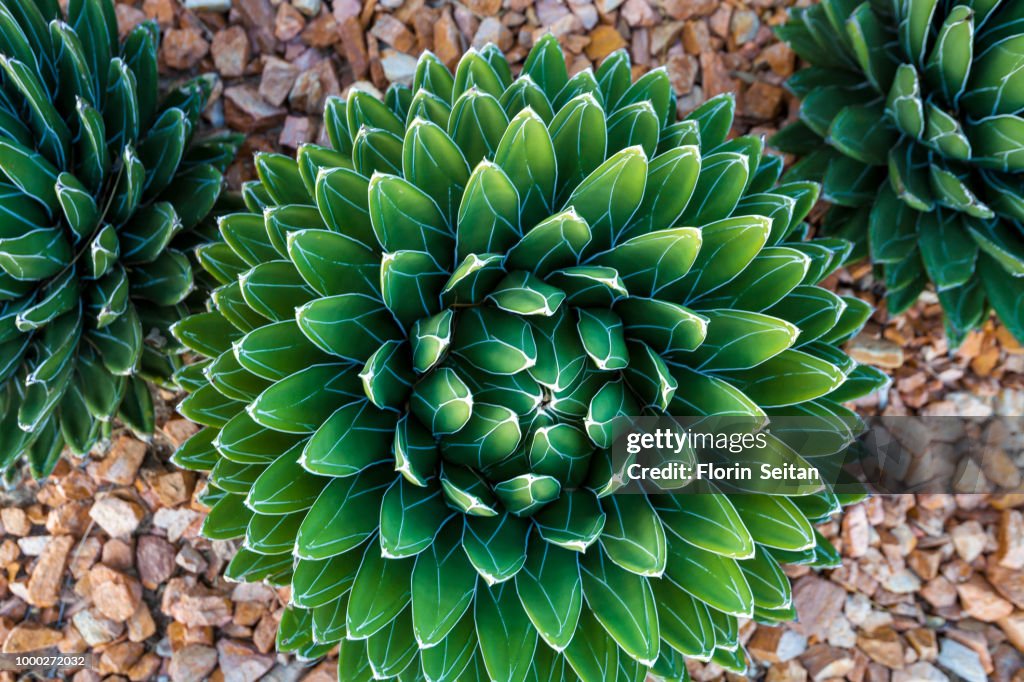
[[426, 333], [102, 189], [911, 116]]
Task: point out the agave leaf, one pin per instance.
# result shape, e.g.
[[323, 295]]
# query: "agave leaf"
[[574, 521], [312, 159], [415, 451], [526, 494], [301, 402], [603, 339], [284, 487], [387, 376], [474, 71], [793, 377], [392, 649], [342, 199], [711, 578], [636, 125], [589, 285], [443, 587], [496, 546], [476, 124], [30, 172], [466, 491], [430, 159], [560, 356], [623, 603], [448, 660], [488, 219], [411, 518], [592, 654], [671, 180], [381, 590], [507, 637], [580, 116], [947, 250], [350, 326], [607, 198], [332, 527], [634, 537], [495, 341], [684, 621], [556, 242], [524, 94], [774, 521], [273, 352], [329, 623], [527, 156], [768, 583], [356, 436], [654, 264], [272, 535], [442, 401], [227, 519], [319, 255], [246, 234], [551, 591], [666, 327], [949, 62]]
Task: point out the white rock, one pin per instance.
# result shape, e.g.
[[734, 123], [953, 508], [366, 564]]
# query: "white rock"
[[841, 634], [969, 539], [398, 66], [857, 608], [310, 8], [174, 521], [903, 581], [95, 629], [920, 672], [119, 518], [33, 545], [961, 661], [208, 5]]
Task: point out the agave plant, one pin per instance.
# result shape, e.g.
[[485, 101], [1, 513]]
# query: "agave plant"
[[425, 334], [101, 187], [911, 116]]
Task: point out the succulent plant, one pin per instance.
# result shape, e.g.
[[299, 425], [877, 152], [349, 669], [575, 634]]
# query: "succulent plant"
[[101, 187], [911, 116], [425, 335]]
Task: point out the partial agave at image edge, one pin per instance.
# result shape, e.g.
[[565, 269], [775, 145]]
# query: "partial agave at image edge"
[[911, 115], [424, 334], [104, 187]]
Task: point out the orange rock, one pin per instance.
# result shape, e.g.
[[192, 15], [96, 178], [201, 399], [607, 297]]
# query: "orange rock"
[[119, 658], [183, 48], [27, 637], [980, 601], [114, 594], [15, 521], [604, 40], [45, 582], [122, 461], [140, 625]]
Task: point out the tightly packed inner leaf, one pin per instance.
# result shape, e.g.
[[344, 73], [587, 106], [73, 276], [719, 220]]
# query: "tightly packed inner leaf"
[[425, 333], [912, 117], [101, 189]]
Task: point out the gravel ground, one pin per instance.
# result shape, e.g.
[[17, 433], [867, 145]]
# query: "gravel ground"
[[105, 556]]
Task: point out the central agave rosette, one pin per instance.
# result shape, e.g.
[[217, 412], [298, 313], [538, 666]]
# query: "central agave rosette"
[[425, 334]]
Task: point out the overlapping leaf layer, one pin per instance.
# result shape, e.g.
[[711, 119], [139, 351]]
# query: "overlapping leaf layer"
[[425, 333], [101, 187], [912, 117]]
